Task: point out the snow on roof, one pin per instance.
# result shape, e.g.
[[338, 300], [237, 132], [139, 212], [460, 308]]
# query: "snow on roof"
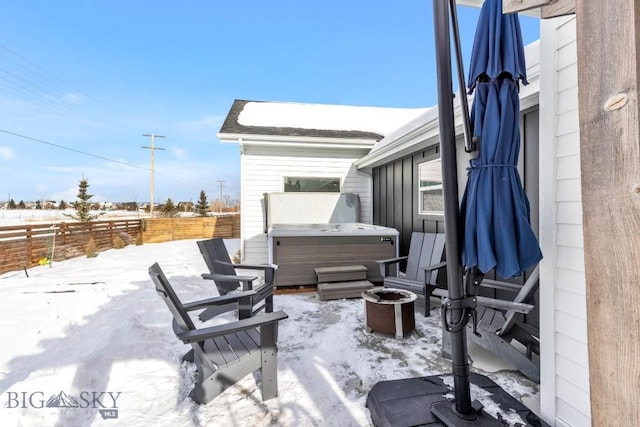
[[428, 115], [323, 116]]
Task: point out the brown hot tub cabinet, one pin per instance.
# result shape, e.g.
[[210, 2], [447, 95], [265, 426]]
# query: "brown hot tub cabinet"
[[298, 255], [306, 231]]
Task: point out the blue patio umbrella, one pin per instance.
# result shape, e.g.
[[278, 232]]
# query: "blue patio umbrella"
[[494, 208], [496, 213]]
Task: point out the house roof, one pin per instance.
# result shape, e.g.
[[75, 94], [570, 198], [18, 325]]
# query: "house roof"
[[259, 119], [424, 129]]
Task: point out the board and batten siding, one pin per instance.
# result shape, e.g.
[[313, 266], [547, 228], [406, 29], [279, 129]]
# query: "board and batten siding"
[[395, 197], [564, 395], [263, 170]]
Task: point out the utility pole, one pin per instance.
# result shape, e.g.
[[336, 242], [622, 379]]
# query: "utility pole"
[[221, 184], [153, 149]]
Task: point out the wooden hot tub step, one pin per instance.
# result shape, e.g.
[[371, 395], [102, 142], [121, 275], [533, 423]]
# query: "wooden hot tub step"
[[341, 273], [339, 290], [300, 289]]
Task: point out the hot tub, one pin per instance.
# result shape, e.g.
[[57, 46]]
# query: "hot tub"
[[309, 230], [298, 249]]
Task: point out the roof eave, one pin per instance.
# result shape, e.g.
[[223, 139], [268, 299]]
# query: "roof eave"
[[296, 141], [478, 4]]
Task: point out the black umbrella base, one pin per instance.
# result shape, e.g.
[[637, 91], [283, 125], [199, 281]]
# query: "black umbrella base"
[[428, 401]]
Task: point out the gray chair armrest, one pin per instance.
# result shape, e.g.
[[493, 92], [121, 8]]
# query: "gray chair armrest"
[[492, 303], [245, 281], [268, 269], [442, 293], [499, 304], [262, 267], [497, 284], [226, 299], [429, 268], [258, 320], [392, 260], [385, 265]]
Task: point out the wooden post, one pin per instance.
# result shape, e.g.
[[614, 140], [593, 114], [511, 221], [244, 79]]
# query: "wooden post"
[[558, 8], [28, 247], [609, 74], [510, 6]]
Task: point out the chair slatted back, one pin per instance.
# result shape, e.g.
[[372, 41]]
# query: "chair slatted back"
[[214, 250], [414, 256], [425, 249], [437, 256], [163, 288]]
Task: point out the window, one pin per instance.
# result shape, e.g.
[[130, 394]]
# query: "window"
[[430, 188], [307, 184]]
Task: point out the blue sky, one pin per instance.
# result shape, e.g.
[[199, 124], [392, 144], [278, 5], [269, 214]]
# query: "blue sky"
[[81, 81]]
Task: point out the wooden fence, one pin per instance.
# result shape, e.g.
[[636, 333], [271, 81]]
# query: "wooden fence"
[[23, 246], [26, 245], [158, 230]]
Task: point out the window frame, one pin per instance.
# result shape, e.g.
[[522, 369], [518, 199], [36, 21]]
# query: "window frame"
[[433, 187], [329, 179]]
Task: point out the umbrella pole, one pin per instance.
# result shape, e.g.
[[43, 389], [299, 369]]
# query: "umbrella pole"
[[460, 364]]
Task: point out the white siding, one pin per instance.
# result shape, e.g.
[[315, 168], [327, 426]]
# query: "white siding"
[[263, 170], [564, 386]]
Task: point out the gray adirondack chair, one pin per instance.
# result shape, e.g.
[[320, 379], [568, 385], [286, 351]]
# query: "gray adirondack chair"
[[223, 272], [225, 353], [424, 262], [500, 327]]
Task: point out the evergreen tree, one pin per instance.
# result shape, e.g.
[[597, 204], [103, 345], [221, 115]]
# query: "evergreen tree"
[[169, 209], [62, 205], [83, 204], [22, 205], [12, 204], [38, 204], [202, 207]]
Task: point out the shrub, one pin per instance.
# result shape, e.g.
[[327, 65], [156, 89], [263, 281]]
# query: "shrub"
[[139, 239], [118, 243], [91, 250]]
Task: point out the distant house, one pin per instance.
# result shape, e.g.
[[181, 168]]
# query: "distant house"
[[395, 171], [49, 204], [128, 206], [186, 206]]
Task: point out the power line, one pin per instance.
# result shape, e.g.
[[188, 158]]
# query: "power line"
[[27, 94], [54, 80], [62, 147], [40, 86]]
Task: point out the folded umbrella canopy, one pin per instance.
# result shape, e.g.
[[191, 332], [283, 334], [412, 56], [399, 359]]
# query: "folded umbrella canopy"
[[496, 212], [494, 208], [497, 46]]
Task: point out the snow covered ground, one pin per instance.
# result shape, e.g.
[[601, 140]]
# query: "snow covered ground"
[[93, 331]]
